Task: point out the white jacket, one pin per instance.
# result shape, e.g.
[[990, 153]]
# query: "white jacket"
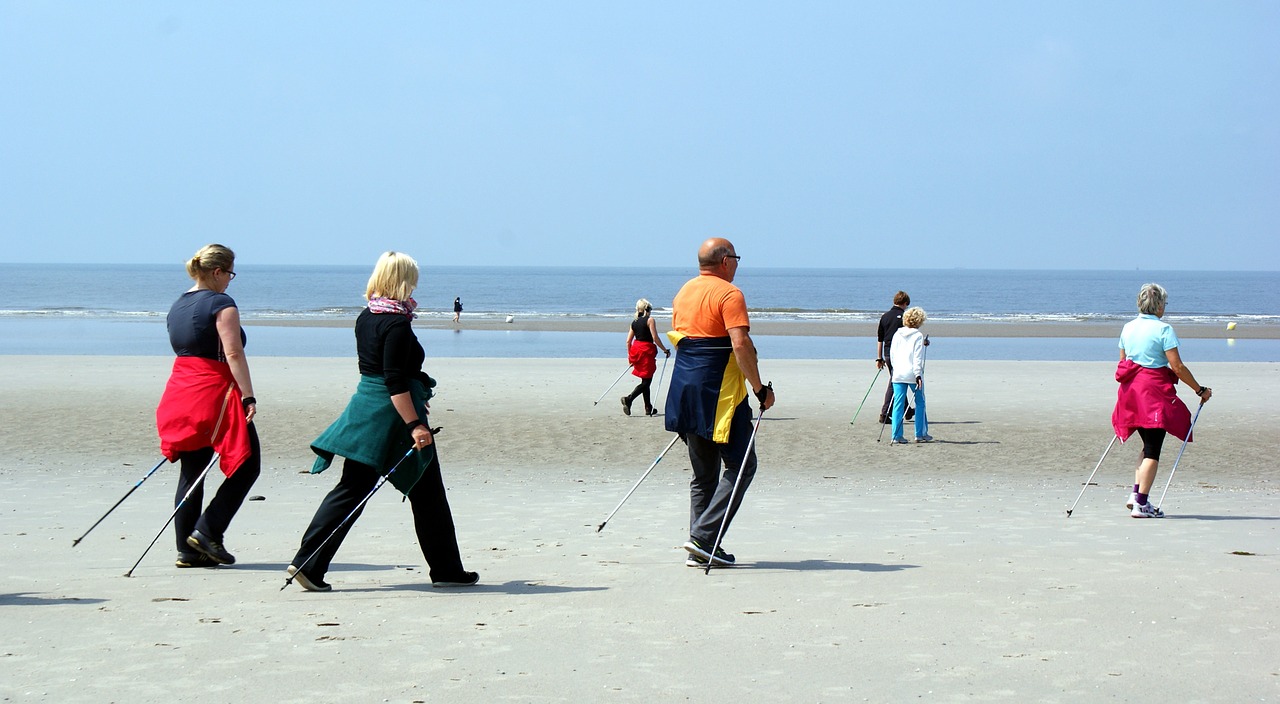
[[906, 355]]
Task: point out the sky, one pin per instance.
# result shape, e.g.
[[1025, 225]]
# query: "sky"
[[1006, 135]]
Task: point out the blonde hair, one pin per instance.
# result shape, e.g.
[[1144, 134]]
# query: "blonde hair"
[[210, 258], [914, 317], [643, 306], [395, 276]]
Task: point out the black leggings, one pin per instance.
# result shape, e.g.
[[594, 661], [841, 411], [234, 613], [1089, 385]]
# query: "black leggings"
[[1152, 441], [642, 389]]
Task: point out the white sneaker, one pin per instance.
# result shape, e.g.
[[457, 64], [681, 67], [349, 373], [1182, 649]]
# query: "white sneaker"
[[1133, 499], [1146, 511]]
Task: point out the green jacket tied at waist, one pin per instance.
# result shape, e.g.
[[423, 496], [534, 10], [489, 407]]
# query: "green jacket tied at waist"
[[371, 432]]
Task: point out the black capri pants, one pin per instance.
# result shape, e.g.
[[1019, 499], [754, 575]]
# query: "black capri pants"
[[1152, 441]]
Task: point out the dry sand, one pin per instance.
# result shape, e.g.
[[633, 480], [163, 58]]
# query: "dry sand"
[[942, 572]]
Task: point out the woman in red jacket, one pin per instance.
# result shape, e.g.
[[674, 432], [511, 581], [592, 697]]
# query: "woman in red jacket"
[[208, 406], [1147, 401]]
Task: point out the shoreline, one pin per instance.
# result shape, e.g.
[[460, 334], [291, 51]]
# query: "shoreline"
[[1107, 330]]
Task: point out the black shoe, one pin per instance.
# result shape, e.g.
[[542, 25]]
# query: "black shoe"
[[194, 559], [308, 583], [700, 549], [212, 548], [884, 420], [911, 413], [651, 411], [626, 406], [468, 579]]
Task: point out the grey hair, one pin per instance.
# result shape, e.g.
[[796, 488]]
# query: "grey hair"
[[914, 317], [1151, 298]]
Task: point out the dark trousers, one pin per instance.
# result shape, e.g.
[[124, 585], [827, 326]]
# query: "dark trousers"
[[213, 521], [642, 389], [431, 519], [709, 489]]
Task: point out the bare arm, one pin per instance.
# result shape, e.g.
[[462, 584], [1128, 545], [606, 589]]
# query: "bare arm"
[[228, 324], [653, 332], [1175, 363], [744, 351]]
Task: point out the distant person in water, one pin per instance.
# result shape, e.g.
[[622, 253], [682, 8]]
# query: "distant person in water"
[[643, 343]]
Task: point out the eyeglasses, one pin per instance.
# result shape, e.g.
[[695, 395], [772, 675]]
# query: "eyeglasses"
[[733, 256], [231, 274]]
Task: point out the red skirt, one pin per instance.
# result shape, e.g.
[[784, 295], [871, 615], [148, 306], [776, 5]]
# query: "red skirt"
[[643, 358]]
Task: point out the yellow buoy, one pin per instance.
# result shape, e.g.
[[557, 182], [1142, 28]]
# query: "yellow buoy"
[[1231, 326]]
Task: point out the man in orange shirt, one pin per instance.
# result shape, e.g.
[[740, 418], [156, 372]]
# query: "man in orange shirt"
[[707, 403]]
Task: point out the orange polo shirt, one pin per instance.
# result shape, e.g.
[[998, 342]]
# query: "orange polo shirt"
[[707, 306]]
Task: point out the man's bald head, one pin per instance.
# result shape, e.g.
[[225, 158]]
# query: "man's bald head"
[[713, 252]]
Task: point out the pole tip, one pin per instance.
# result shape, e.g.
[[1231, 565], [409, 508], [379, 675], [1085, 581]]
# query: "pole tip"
[[1068, 513]]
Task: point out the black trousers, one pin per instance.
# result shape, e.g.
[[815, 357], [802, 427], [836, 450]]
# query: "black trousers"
[[432, 521], [213, 521], [642, 389]]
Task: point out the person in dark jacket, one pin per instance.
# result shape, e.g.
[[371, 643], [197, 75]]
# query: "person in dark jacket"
[[384, 427]]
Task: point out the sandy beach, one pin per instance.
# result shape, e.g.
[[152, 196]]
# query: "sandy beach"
[[868, 572]]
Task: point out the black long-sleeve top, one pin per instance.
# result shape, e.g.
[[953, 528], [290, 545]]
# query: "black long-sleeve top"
[[387, 347]]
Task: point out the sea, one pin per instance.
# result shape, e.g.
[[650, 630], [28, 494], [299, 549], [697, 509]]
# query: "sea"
[[116, 309]]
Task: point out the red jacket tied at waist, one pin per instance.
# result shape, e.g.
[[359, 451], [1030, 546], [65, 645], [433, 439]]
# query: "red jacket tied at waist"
[[1147, 399], [643, 358], [201, 408]]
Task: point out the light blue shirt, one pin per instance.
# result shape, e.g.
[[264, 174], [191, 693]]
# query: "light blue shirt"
[[1145, 339]]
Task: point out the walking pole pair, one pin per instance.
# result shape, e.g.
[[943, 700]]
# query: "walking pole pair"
[[615, 383], [637, 484], [190, 490], [1171, 471], [724, 523], [381, 480]]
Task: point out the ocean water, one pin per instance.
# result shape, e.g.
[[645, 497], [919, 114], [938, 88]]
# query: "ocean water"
[[120, 309]]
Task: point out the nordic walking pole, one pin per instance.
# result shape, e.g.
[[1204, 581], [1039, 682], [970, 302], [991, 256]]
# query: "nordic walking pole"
[[662, 374], [724, 522], [199, 480], [615, 383], [637, 484], [122, 498], [864, 396], [1090, 479], [1179, 457], [381, 480]]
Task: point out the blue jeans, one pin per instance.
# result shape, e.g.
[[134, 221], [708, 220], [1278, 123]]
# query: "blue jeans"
[[900, 407]]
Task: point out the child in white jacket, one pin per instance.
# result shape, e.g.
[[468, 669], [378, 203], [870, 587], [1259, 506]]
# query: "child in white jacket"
[[906, 355]]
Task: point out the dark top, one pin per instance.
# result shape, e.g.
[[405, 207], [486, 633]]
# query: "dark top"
[[457, 305], [193, 329], [387, 347], [640, 328], [889, 324]]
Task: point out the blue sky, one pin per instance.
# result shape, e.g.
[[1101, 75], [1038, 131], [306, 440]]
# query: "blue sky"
[[1095, 135]]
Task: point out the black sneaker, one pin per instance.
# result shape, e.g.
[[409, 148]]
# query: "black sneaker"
[[468, 579], [626, 406], [194, 559], [911, 413], [701, 549], [309, 583], [212, 548]]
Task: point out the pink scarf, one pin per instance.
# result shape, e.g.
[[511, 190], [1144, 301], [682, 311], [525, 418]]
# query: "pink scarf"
[[379, 304]]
